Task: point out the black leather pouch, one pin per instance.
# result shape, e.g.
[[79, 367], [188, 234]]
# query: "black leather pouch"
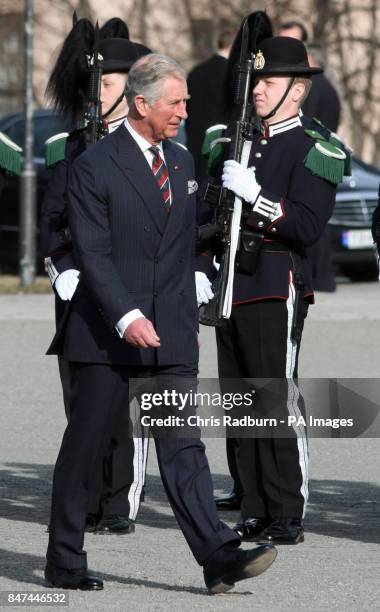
[[247, 256]]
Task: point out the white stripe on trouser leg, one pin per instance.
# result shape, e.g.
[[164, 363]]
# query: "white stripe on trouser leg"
[[145, 450], [139, 460], [293, 397]]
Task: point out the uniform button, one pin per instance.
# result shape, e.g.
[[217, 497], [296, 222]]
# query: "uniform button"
[[155, 293], [146, 228], [253, 167], [260, 223], [156, 260], [258, 154], [264, 141], [274, 229]]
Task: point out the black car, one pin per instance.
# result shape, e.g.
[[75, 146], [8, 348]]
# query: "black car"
[[350, 225], [46, 123]]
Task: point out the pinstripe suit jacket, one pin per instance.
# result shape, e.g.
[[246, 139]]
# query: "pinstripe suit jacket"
[[131, 254]]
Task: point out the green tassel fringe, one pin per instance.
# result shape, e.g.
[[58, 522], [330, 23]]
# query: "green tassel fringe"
[[10, 160], [206, 145], [209, 138], [336, 142], [326, 167], [348, 161], [55, 151], [214, 157], [213, 154]]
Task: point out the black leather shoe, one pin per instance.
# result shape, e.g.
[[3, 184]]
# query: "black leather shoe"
[[91, 521], [250, 529], [229, 565], [228, 502], [72, 579], [283, 531], [113, 523]]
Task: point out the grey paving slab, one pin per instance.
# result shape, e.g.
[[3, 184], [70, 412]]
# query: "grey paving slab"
[[337, 568]]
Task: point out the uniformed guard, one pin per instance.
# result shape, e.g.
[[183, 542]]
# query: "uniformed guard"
[[287, 184], [118, 483], [10, 158]]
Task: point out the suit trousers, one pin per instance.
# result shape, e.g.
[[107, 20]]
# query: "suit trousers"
[[269, 472], [118, 481], [100, 395]]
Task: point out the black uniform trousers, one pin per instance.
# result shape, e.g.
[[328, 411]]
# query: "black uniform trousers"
[[270, 473], [100, 395], [117, 484]]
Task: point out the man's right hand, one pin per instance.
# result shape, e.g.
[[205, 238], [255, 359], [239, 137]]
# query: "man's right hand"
[[141, 333]]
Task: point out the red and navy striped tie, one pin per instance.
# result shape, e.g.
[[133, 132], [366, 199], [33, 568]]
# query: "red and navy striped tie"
[[161, 173]]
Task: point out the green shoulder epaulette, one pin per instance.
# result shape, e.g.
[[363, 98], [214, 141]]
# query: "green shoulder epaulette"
[[325, 159], [55, 149], [336, 141], [213, 145], [10, 155]]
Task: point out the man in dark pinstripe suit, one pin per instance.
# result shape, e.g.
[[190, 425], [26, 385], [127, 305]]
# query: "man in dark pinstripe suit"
[[132, 219]]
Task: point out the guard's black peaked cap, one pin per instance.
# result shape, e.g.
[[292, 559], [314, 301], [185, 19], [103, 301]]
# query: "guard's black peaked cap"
[[119, 54], [283, 55]]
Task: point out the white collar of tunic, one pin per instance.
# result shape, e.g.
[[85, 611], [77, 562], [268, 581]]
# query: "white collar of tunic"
[[281, 126]]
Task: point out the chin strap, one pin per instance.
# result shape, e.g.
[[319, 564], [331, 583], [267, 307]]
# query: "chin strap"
[[274, 111], [114, 106]]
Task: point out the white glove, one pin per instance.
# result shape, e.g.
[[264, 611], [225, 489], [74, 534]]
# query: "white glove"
[[204, 291], [66, 284], [241, 181]]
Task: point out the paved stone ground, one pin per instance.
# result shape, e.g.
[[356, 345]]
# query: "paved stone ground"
[[337, 568]]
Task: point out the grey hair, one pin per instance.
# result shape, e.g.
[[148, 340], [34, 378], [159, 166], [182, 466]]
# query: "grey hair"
[[147, 77]]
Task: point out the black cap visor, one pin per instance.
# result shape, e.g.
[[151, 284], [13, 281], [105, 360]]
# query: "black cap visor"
[[278, 69]]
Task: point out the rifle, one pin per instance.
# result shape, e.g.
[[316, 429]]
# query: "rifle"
[[94, 124], [228, 207]]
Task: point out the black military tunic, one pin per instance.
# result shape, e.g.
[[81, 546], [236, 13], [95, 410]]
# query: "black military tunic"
[[323, 102], [205, 107], [306, 202]]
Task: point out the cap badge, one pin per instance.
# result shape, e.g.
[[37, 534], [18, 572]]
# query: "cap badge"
[[259, 61]]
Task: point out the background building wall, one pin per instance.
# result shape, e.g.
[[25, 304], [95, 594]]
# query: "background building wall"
[[187, 29]]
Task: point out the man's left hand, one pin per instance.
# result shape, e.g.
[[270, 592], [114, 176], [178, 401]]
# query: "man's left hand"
[[241, 181]]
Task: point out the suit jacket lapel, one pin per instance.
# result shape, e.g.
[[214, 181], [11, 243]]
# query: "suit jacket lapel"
[[131, 161]]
